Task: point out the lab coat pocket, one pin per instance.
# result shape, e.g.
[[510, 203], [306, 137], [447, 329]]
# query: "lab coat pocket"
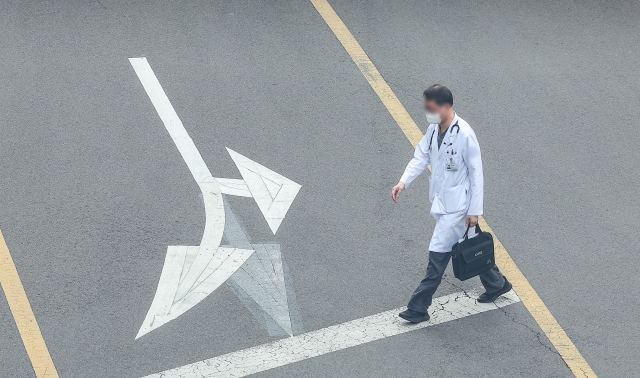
[[454, 199], [432, 189]]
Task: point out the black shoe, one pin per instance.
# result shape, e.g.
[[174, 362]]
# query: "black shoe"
[[414, 316], [490, 297]]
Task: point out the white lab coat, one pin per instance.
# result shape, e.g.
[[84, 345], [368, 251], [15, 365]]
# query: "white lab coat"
[[453, 194]]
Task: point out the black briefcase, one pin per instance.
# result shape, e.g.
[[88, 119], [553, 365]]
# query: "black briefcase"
[[472, 256]]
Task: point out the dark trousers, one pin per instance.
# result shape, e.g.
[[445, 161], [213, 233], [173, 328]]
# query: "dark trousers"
[[491, 279]]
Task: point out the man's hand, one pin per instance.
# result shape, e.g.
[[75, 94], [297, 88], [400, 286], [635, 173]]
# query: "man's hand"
[[472, 220], [395, 192]]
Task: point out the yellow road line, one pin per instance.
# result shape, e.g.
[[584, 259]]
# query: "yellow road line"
[[23, 315], [545, 319], [370, 72], [521, 285]]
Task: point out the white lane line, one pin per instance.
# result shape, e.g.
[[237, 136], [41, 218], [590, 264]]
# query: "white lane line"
[[341, 336]]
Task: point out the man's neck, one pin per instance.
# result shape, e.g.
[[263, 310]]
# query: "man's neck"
[[446, 122]]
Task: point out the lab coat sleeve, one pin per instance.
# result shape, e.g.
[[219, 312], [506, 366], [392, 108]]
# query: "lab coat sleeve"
[[473, 159], [418, 164]]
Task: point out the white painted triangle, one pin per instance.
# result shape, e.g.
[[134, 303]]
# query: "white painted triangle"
[[189, 275], [274, 208]]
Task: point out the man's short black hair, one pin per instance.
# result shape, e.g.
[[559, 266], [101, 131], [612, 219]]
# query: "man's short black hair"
[[439, 93]]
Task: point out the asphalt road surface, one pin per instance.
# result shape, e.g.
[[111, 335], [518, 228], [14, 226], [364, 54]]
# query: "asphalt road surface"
[[93, 189]]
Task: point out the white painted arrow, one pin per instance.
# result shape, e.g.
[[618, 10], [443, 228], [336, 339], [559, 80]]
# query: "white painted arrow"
[[191, 273]]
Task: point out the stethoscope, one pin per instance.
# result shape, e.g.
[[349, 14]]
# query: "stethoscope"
[[455, 125]]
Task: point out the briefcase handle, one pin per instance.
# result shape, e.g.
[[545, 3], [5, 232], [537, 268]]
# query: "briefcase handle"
[[467, 232]]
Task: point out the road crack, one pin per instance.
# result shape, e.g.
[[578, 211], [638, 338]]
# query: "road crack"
[[538, 334]]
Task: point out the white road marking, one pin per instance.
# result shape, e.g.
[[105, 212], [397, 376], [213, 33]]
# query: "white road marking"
[[273, 192], [191, 273], [234, 187], [171, 121], [261, 278], [341, 336]]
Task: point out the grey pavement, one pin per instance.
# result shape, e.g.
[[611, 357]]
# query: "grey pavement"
[[93, 189]]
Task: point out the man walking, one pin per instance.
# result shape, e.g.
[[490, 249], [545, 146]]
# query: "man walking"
[[455, 193]]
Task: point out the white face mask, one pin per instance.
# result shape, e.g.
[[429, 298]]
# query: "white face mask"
[[433, 118]]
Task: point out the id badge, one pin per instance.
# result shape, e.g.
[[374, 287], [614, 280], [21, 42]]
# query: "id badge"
[[451, 167]]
